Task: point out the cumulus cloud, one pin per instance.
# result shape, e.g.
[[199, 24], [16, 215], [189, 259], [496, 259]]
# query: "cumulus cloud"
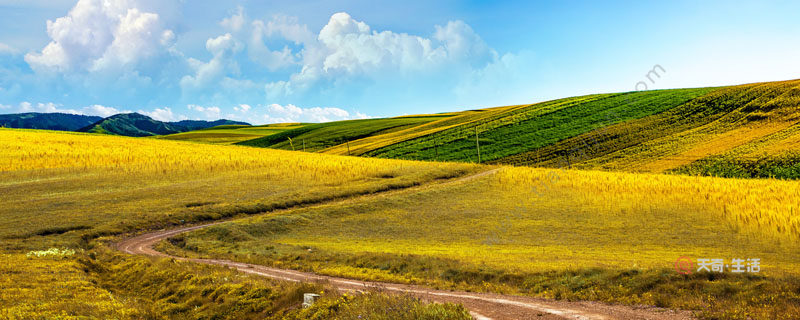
[[163, 114], [346, 47], [103, 111], [243, 108], [292, 113], [100, 34], [222, 47], [209, 113], [234, 22]]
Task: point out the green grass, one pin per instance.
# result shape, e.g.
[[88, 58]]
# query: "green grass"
[[319, 136], [536, 126], [784, 166], [711, 124]]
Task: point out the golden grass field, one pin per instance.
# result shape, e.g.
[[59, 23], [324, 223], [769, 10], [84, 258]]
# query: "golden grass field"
[[563, 234], [83, 184], [63, 190], [507, 231]]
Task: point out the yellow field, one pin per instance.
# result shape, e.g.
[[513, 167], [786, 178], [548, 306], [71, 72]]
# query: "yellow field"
[[536, 219], [53, 287], [57, 187], [523, 230]]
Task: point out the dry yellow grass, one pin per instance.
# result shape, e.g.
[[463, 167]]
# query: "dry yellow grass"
[[57, 187]]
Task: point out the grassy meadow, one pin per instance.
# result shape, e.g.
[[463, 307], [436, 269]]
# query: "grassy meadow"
[[65, 194], [84, 186], [553, 233]]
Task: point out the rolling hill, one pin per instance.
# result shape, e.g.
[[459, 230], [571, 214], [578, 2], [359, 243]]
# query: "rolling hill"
[[47, 121], [319, 136], [749, 130], [228, 134], [138, 125]]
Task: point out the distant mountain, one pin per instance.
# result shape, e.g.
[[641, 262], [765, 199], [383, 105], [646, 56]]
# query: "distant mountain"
[[138, 125], [192, 125], [47, 121]]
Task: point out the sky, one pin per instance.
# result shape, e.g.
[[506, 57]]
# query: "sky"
[[316, 61]]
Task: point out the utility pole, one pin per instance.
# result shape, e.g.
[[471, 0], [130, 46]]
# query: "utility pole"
[[477, 145]]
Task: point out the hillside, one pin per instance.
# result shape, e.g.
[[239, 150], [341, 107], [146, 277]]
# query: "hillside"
[[138, 125], [190, 125], [320, 136], [746, 130], [47, 121], [228, 134]]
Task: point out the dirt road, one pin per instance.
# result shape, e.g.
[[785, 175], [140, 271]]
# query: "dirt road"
[[481, 305]]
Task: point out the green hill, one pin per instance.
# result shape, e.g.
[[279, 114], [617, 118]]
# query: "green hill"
[[138, 125], [749, 130], [319, 136], [47, 121]]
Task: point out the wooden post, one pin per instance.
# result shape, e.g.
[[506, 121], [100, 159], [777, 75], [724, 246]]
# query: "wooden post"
[[569, 165], [436, 146], [477, 145]]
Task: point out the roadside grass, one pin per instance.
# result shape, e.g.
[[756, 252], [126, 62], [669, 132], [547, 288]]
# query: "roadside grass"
[[560, 234], [103, 284], [64, 189]]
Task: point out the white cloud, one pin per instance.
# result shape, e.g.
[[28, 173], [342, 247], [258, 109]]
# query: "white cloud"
[[278, 27], [96, 35], [50, 107], [346, 48], [234, 22], [102, 111], [209, 113], [163, 114], [243, 108], [222, 47], [292, 113]]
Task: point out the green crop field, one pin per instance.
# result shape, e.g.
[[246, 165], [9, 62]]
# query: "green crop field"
[[316, 137]]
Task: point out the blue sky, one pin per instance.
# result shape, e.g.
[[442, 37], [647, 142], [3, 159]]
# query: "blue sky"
[[279, 61]]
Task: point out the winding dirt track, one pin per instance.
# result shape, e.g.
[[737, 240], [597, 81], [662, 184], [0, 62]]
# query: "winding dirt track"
[[481, 305]]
